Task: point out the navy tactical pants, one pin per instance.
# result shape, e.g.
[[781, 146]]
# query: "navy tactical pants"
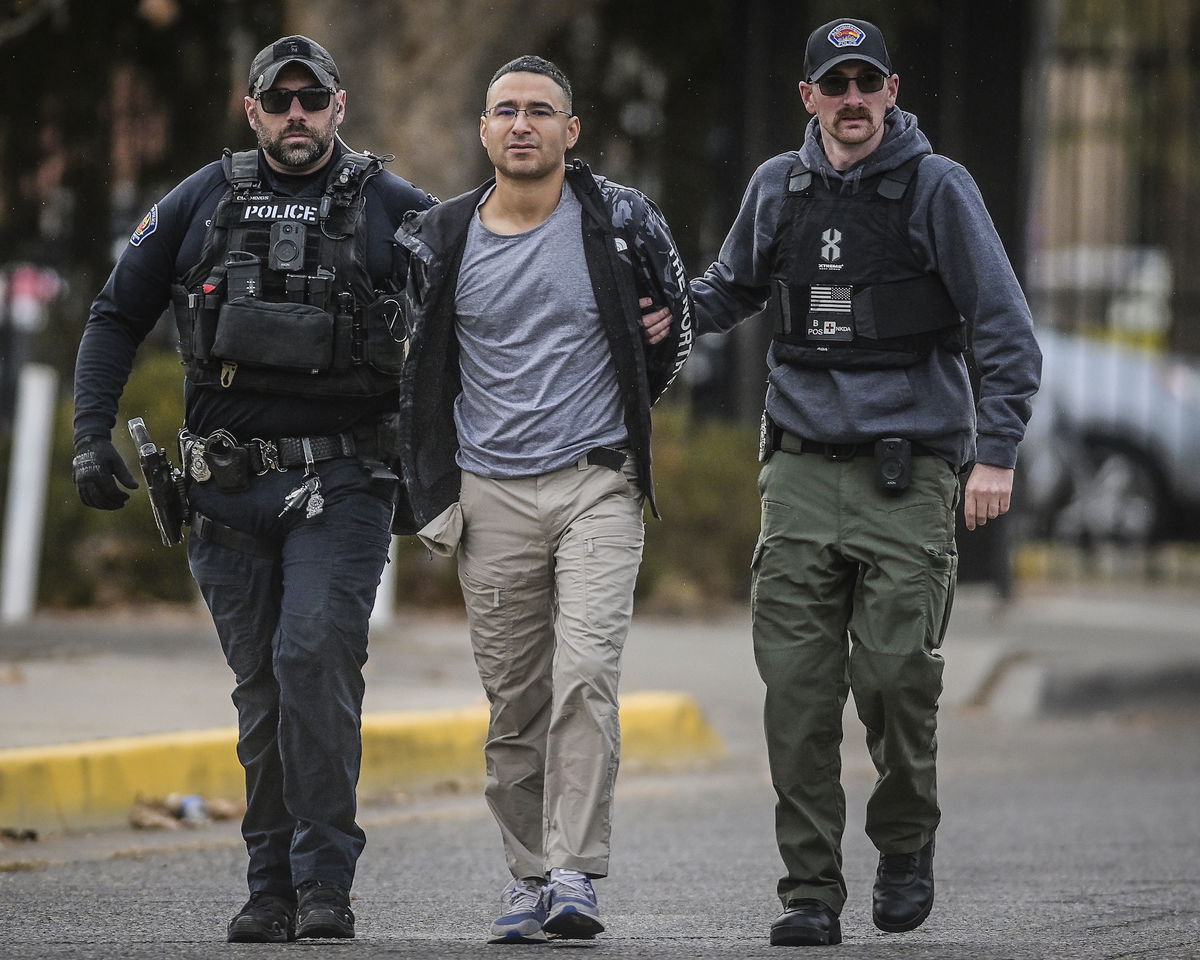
[[293, 626]]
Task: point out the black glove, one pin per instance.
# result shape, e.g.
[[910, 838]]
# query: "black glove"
[[95, 471]]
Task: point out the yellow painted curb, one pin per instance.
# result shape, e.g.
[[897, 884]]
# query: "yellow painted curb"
[[95, 783]]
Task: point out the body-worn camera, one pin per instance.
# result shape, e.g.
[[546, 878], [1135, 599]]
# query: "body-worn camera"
[[893, 457], [287, 246]]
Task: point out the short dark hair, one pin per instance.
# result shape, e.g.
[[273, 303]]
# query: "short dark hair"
[[532, 64]]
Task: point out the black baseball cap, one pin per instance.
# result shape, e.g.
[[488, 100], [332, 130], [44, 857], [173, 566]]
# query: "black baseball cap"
[[842, 40], [308, 53]]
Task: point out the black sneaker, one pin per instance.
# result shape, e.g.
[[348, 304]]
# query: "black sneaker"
[[903, 894], [265, 918], [323, 911]]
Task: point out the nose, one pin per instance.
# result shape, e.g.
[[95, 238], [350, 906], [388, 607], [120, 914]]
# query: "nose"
[[521, 122], [295, 110], [853, 95]]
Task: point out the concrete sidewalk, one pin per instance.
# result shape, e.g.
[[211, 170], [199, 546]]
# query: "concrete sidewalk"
[[94, 710]]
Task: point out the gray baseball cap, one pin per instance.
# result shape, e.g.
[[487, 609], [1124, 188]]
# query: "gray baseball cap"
[[842, 40], [296, 49]]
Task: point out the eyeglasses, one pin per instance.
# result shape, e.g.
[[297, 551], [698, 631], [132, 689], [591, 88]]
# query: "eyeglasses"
[[536, 114], [836, 85], [279, 100]]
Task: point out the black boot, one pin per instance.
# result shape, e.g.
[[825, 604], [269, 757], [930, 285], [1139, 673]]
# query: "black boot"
[[903, 893], [265, 918], [806, 923], [323, 911]]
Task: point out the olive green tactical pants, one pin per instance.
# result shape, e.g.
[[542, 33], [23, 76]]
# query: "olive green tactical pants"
[[852, 589]]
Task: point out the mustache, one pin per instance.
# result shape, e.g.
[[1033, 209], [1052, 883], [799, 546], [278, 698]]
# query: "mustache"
[[853, 113]]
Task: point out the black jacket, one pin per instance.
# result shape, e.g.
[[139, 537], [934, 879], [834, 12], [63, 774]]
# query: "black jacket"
[[630, 253]]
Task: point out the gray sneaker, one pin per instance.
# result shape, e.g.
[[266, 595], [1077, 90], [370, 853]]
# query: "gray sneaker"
[[571, 909], [521, 913]]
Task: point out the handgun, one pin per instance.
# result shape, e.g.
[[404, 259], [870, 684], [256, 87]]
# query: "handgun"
[[164, 483]]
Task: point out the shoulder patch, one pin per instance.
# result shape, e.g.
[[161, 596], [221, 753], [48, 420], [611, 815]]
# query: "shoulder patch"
[[148, 225]]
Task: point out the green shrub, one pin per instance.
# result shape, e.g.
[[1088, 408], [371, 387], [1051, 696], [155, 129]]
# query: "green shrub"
[[108, 557], [698, 557]]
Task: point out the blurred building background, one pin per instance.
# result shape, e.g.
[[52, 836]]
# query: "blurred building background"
[[1078, 119]]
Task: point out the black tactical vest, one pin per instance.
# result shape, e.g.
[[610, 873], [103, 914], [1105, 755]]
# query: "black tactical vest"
[[281, 300], [847, 291]]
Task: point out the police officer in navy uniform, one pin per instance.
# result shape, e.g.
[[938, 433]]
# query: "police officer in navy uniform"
[[867, 251], [278, 264]]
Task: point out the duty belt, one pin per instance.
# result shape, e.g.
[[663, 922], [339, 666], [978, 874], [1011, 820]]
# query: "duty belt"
[[264, 455], [790, 443]]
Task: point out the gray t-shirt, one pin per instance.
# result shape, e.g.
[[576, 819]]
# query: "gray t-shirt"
[[539, 387]]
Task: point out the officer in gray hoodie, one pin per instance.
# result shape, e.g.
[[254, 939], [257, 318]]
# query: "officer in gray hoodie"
[[874, 259]]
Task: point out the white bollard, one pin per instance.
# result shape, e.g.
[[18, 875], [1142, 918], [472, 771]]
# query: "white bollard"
[[28, 471], [383, 614]]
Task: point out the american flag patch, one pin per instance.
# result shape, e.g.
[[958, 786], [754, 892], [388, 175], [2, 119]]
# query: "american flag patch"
[[828, 299]]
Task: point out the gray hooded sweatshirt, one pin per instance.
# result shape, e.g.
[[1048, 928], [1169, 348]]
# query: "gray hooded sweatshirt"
[[930, 402]]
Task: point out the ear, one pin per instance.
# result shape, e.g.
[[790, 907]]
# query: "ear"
[[806, 94], [339, 100], [572, 132], [250, 116], [483, 131], [893, 89]]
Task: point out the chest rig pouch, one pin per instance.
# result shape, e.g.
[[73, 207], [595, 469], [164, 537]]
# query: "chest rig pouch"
[[848, 291], [281, 300]]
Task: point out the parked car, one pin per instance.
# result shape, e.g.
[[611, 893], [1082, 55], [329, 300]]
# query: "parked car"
[[1113, 449]]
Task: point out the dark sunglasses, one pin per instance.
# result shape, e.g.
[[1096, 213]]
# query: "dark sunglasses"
[[312, 99], [835, 85]]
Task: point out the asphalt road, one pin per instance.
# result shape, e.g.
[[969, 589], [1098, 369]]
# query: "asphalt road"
[[1061, 839], [1064, 836]]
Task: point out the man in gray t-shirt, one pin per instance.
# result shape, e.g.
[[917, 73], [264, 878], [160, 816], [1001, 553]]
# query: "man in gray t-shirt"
[[539, 385], [526, 410]]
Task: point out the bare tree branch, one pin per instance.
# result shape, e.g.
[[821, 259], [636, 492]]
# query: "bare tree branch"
[[20, 25]]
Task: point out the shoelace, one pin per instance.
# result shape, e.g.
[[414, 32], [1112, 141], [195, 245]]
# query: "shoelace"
[[522, 894], [577, 886], [268, 901], [324, 893], [897, 865]]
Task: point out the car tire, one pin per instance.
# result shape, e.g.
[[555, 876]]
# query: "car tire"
[[1116, 496]]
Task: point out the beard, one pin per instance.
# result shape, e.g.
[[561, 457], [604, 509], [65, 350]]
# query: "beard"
[[298, 155]]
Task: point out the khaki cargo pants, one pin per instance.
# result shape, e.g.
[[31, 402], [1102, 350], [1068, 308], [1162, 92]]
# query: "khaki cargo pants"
[[547, 566], [852, 589]]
